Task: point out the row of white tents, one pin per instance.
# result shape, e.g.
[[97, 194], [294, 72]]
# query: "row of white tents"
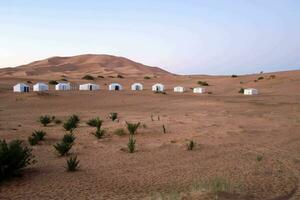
[[158, 87]]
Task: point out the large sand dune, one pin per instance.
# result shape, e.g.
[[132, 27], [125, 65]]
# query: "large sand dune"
[[231, 131]]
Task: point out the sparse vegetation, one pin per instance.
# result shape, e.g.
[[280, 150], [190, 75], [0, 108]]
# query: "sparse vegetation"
[[14, 156], [69, 138], [36, 137], [96, 122], [120, 76], [33, 140], [88, 77], [113, 116], [234, 76], [71, 123], [131, 144], [191, 145], [63, 148], [72, 164], [45, 120], [53, 82], [203, 83], [132, 127], [241, 91], [147, 77], [120, 132]]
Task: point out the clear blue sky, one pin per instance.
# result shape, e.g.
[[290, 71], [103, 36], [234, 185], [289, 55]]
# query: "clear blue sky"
[[182, 36]]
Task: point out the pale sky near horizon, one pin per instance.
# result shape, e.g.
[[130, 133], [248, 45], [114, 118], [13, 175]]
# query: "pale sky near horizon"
[[185, 37]]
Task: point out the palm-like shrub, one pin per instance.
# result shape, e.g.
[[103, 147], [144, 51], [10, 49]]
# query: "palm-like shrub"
[[71, 123], [72, 164], [191, 145], [131, 144], [68, 138], [63, 148], [39, 134], [97, 122], [14, 156], [113, 116], [242, 90], [45, 120], [132, 127], [33, 140]]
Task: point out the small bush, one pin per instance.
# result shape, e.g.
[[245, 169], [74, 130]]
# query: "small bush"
[[33, 140], [53, 82], [203, 83], [45, 120], [132, 127], [72, 164], [39, 135], [147, 77], [96, 122], [120, 132], [241, 91], [68, 138], [191, 145], [71, 123], [234, 76], [131, 144], [63, 148], [88, 77], [113, 116], [14, 156], [120, 76]]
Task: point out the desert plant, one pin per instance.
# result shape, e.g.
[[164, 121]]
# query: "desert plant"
[[203, 83], [147, 77], [71, 123], [88, 77], [190, 145], [164, 128], [45, 120], [120, 132], [241, 90], [53, 82], [68, 138], [131, 144], [96, 122], [72, 164], [132, 127], [39, 134], [120, 76], [14, 156], [63, 148], [113, 116], [33, 140]]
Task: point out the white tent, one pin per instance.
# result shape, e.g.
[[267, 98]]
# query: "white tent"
[[179, 89], [158, 87], [199, 90], [40, 87], [63, 86], [115, 86], [89, 86], [137, 86], [250, 91], [21, 87]]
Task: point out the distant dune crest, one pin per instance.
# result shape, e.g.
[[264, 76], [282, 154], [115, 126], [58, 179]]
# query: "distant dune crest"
[[77, 66]]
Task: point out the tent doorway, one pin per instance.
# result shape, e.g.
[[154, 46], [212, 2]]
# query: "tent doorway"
[[117, 87], [26, 89], [91, 87]]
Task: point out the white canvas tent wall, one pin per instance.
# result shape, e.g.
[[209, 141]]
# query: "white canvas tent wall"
[[199, 90], [158, 87], [115, 86], [179, 89], [137, 86], [63, 86], [89, 86], [40, 87], [21, 87], [250, 91]]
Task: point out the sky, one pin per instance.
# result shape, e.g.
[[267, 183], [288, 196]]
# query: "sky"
[[184, 37]]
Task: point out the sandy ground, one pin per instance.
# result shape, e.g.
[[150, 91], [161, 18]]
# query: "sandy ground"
[[230, 130]]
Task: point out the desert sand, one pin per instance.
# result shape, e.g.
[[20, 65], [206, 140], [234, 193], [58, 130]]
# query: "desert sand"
[[230, 130]]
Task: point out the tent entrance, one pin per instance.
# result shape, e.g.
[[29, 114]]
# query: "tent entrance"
[[26, 89], [90, 87], [157, 88], [117, 87], [137, 87]]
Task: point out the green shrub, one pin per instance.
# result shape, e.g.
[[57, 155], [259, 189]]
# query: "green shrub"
[[53, 82], [14, 156], [39, 134], [88, 77], [120, 132], [68, 138], [203, 83], [242, 90], [191, 144], [132, 127], [113, 116], [63, 148], [72, 164], [71, 123], [45, 120], [147, 77], [131, 144], [33, 140], [96, 122]]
